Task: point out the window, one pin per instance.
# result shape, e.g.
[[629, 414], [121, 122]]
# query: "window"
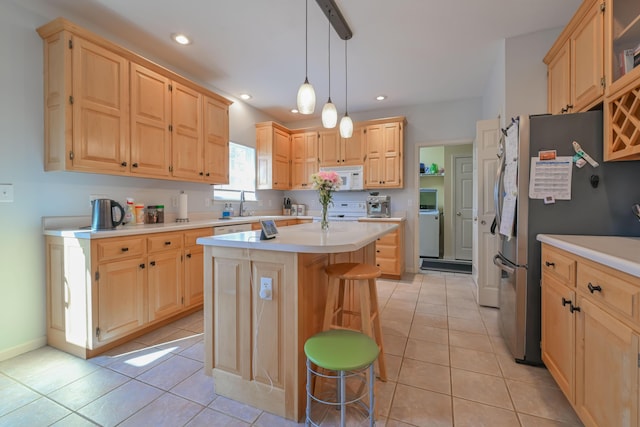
[[242, 174]]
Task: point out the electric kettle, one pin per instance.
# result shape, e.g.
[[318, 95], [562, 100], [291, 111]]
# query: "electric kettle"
[[102, 214]]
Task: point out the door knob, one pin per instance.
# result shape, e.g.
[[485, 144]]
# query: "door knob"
[[459, 213], [483, 222]]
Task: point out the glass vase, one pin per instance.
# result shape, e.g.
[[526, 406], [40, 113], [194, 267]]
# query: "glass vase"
[[324, 222]]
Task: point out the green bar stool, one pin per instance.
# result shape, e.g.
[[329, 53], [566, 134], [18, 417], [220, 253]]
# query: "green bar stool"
[[349, 354]]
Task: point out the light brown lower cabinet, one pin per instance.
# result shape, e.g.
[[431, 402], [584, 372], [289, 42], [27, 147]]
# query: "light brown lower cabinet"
[[590, 335], [103, 292], [390, 251]]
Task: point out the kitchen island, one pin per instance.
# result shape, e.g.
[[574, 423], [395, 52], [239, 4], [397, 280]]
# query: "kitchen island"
[[254, 340]]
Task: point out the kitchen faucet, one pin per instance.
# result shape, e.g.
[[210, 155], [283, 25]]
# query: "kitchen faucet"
[[242, 212]]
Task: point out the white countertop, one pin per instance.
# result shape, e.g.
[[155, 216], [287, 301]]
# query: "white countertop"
[[620, 253], [79, 227], [61, 229], [307, 238]]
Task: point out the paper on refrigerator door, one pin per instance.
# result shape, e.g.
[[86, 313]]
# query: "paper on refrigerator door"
[[551, 178], [510, 180]]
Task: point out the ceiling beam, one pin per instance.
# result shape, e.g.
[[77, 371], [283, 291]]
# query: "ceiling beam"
[[334, 16]]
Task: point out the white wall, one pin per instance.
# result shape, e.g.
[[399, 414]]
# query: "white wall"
[[493, 100], [526, 74]]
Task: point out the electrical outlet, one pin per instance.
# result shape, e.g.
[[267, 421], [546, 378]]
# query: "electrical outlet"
[[174, 202], [266, 288], [207, 202], [6, 193]]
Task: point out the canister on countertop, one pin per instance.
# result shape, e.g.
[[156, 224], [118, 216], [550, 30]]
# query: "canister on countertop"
[[160, 212], [152, 215], [140, 213]]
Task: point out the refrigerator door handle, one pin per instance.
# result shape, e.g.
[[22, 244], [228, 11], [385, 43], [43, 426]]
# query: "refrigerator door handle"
[[496, 187], [498, 261]]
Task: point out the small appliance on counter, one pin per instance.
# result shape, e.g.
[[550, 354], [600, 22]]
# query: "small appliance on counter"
[[378, 206], [102, 214]]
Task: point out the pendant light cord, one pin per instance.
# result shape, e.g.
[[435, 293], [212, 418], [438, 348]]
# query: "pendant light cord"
[[306, 39], [346, 98], [329, 39]]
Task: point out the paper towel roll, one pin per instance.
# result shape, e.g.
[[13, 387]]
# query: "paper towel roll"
[[182, 206]]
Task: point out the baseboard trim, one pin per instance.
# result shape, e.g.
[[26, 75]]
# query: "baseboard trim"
[[23, 348]]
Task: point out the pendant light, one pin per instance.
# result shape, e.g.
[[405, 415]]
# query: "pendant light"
[[329, 111], [306, 94], [346, 124]]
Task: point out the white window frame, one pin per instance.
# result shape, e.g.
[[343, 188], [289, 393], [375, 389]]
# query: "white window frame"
[[244, 183]]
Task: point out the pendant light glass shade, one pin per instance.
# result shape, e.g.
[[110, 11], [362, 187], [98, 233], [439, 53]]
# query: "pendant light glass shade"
[[329, 115], [306, 99], [346, 126]]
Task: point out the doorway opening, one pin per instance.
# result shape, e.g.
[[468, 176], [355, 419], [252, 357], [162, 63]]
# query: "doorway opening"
[[444, 208]]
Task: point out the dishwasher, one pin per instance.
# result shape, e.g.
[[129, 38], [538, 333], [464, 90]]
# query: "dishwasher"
[[228, 229]]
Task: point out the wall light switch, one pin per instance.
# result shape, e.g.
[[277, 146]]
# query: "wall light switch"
[[6, 193]]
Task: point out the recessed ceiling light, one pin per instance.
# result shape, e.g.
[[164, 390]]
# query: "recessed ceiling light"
[[295, 111], [180, 38], [245, 96], [381, 97]]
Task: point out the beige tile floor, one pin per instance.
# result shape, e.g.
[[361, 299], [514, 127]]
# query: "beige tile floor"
[[446, 362]]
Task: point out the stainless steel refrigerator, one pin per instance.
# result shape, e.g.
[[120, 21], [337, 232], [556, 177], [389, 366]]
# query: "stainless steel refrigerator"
[[601, 200]]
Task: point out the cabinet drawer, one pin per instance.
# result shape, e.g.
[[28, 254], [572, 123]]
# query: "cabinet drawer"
[[558, 265], [191, 235], [163, 242], [383, 251], [109, 249], [390, 239], [610, 287], [388, 266]]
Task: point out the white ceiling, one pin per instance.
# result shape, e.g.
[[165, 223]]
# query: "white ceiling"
[[413, 51]]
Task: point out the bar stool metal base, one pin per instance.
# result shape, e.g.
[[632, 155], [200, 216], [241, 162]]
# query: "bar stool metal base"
[[342, 355], [366, 374]]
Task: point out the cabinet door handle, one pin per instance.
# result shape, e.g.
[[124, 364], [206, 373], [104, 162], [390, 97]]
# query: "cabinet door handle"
[[595, 288], [201, 173], [123, 164], [188, 255], [207, 174], [124, 249], [152, 263], [377, 251], [566, 301], [550, 264], [142, 266], [135, 165], [167, 243], [573, 308]]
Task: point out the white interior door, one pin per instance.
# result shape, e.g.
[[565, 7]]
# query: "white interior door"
[[463, 197], [485, 245]]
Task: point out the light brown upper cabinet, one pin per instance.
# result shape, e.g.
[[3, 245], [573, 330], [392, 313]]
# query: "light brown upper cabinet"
[[622, 100], [338, 151], [216, 141], [384, 142], [150, 122], [109, 110], [273, 153], [99, 94], [304, 159], [575, 63]]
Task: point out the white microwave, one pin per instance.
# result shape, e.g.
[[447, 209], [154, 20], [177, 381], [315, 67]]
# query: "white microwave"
[[352, 176]]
